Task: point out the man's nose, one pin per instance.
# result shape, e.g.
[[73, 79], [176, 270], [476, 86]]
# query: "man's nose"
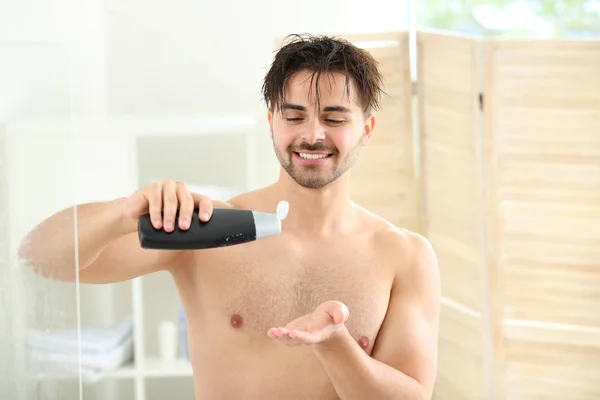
[[314, 132]]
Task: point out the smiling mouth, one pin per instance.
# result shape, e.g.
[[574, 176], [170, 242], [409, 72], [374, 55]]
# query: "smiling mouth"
[[313, 156]]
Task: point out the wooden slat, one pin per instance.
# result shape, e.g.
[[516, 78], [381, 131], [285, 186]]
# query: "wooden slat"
[[388, 159], [551, 363], [452, 205], [542, 134], [461, 364], [452, 214], [543, 106]]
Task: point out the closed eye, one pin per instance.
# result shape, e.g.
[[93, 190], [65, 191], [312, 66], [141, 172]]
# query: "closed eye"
[[334, 121]]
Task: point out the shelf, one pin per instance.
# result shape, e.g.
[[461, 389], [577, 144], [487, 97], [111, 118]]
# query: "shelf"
[[157, 368], [125, 372], [154, 368]]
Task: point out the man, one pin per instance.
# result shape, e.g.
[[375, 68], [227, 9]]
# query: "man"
[[341, 305]]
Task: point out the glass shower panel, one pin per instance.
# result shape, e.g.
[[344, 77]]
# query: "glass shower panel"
[[39, 293], [39, 304]]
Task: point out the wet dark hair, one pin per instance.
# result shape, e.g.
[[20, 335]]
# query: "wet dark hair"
[[321, 54]]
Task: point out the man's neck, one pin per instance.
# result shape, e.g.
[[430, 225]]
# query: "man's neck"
[[316, 211]]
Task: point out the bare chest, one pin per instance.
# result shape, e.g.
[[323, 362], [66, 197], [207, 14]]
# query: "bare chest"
[[252, 289]]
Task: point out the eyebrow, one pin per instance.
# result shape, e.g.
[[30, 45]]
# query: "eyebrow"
[[289, 106]]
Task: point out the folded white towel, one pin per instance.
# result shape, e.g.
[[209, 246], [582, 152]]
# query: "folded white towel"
[[106, 361], [94, 339], [59, 370], [100, 350]]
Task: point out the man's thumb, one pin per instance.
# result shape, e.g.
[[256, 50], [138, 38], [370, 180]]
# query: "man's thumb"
[[339, 312]]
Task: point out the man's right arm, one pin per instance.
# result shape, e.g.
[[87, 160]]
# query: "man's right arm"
[[107, 248]]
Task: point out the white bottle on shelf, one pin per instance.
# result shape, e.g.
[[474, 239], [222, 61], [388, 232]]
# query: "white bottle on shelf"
[[168, 340]]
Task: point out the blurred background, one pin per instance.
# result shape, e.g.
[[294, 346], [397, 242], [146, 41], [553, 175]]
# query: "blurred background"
[[489, 145]]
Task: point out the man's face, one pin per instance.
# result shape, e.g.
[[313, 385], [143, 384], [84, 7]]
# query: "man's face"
[[317, 146]]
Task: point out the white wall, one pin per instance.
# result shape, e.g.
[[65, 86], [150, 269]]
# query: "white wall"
[[185, 56], [178, 56]]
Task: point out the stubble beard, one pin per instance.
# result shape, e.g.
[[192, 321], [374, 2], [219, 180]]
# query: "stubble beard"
[[316, 176]]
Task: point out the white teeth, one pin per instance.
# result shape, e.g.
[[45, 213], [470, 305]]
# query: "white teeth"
[[312, 156]]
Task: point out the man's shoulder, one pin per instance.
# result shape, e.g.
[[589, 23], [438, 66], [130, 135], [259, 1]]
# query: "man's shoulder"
[[403, 241], [396, 237], [405, 248]]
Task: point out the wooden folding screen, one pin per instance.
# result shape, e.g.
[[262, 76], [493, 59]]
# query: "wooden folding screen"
[[383, 179], [542, 134], [510, 163], [452, 206]]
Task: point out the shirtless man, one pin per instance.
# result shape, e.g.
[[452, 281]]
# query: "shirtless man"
[[340, 305]]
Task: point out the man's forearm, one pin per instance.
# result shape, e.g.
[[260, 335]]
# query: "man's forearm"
[[50, 248], [355, 375]]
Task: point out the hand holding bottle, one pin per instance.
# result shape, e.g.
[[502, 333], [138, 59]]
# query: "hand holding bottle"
[[165, 201]]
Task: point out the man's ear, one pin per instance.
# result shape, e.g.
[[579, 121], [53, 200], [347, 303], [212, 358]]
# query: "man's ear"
[[270, 119], [368, 129]]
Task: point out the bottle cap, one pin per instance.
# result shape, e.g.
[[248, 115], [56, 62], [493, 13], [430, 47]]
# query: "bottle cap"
[[283, 208], [266, 224]]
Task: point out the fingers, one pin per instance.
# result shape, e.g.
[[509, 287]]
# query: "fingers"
[[186, 206], [170, 205], [292, 337], [205, 206], [302, 336], [154, 197]]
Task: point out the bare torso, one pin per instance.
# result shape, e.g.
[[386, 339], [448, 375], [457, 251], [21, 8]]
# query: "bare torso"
[[233, 295]]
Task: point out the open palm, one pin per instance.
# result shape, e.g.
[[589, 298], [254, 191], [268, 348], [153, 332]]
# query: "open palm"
[[312, 328]]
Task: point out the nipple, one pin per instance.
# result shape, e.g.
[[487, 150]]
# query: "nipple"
[[236, 321], [283, 208], [363, 342]]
